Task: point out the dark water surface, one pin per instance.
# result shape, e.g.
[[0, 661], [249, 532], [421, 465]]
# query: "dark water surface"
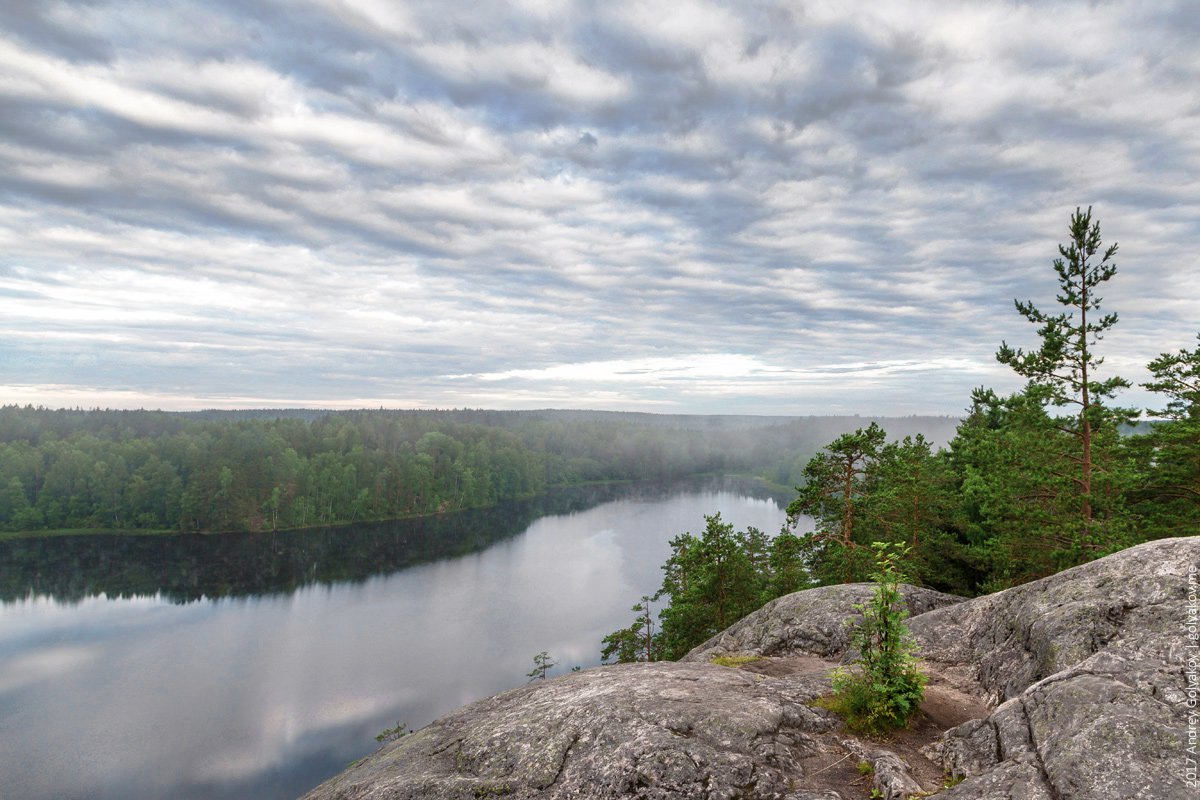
[[257, 665]]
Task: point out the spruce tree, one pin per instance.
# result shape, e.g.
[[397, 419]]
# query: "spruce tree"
[[1017, 489], [912, 500]]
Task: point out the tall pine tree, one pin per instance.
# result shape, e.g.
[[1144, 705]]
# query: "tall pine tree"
[[1062, 372]]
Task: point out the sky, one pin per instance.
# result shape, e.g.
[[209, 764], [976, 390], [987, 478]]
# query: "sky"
[[676, 207]]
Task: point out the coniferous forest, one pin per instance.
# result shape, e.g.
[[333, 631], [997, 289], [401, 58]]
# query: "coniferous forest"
[[273, 470], [1032, 483]]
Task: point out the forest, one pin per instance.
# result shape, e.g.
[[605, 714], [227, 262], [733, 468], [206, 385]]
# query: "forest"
[[1032, 483], [281, 469]]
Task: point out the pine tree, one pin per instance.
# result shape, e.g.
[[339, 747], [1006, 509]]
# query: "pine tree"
[[542, 664], [834, 486], [711, 581], [1017, 489], [1062, 372], [638, 642], [1177, 375]]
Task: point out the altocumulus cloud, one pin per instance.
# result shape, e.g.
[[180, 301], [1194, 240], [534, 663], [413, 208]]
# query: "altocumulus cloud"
[[750, 207]]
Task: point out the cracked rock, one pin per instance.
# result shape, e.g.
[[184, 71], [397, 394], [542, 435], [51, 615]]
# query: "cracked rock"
[[1090, 665]]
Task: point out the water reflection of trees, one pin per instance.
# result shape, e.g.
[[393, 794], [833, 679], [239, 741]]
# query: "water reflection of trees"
[[190, 567]]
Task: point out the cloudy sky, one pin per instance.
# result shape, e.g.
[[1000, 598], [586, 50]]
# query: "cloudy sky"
[[792, 207]]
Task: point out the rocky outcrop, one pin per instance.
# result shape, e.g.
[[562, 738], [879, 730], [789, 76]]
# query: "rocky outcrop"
[[1078, 680], [661, 730], [1088, 669], [1128, 605], [812, 622]]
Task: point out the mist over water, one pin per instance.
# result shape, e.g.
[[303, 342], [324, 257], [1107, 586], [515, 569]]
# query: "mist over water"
[[264, 686]]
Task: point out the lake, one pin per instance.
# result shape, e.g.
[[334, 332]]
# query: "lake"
[[258, 665]]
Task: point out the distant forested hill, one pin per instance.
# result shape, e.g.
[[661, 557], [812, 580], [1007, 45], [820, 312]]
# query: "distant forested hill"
[[271, 469]]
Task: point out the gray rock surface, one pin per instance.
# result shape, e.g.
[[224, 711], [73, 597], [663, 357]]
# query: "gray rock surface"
[[1081, 675], [1129, 603], [1089, 666], [812, 622], [662, 730]]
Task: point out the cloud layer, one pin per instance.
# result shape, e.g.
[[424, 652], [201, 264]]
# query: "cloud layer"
[[759, 207]]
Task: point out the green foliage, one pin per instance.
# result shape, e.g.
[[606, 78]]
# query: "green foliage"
[[1020, 489], [1166, 461], [953, 780], [542, 664], [863, 489], [1062, 375], [1017, 492], [1177, 375], [835, 482], [786, 571], [912, 499], [392, 734], [865, 768], [710, 581], [638, 642], [885, 686]]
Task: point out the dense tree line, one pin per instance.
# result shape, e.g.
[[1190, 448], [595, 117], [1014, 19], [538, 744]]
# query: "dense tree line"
[[64, 469], [1049, 477], [190, 567], [269, 470], [139, 470]]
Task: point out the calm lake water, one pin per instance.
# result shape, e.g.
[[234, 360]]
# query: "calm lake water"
[[256, 666]]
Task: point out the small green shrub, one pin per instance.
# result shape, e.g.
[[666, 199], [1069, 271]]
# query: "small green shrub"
[[866, 768], [885, 686]]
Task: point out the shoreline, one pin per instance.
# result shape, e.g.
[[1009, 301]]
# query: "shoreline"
[[52, 533]]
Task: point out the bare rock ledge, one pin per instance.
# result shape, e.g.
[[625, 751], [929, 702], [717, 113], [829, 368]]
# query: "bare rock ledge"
[[1070, 688]]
